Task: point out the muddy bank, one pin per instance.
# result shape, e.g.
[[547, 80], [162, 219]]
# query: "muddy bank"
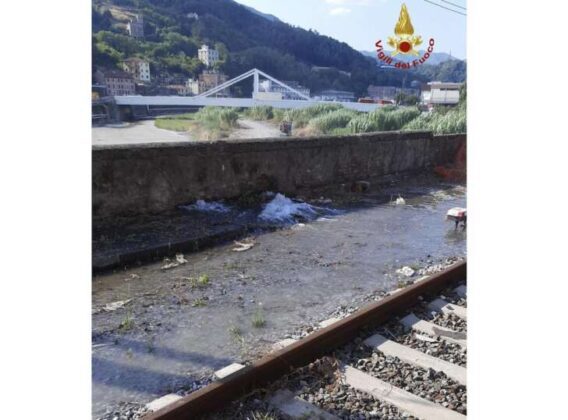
[[177, 327]]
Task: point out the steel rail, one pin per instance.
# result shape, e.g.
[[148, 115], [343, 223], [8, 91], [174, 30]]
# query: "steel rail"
[[274, 365]]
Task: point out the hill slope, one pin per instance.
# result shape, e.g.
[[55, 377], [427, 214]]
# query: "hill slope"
[[435, 57], [245, 38]]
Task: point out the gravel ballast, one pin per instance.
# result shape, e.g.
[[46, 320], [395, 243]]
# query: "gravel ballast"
[[428, 384]]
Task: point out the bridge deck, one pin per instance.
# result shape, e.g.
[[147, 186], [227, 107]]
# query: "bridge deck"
[[231, 102]]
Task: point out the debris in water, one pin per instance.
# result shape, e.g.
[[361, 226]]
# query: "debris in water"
[[168, 264], [113, 306], [406, 271], [399, 201], [98, 346], [180, 259], [457, 215], [244, 245]]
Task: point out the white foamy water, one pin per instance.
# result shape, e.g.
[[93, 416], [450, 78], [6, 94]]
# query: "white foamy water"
[[441, 195], [284, 210], [212, 206]]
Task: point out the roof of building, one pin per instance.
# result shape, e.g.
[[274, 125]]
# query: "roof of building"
[[445, 85], [336, 92], [117, 74]]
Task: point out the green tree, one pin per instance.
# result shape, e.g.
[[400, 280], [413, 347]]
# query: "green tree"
[[405, 99]]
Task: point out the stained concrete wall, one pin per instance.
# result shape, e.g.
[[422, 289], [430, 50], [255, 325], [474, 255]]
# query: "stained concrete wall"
[[149, 178]]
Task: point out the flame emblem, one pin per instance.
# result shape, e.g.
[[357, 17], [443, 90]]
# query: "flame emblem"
[[405, 40]]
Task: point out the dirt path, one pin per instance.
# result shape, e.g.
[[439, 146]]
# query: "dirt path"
[[135, 133], [250, 129], [147, 132]]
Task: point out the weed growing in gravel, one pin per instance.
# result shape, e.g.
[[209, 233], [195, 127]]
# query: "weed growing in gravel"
[[199, 302], [127, 323], [236, 334], [203, 280], [199, 282], [258, 320]]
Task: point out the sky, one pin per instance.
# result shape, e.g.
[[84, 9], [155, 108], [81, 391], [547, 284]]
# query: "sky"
[[360, 23]]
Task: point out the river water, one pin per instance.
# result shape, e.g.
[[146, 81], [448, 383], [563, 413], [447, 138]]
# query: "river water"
[[177, 332]]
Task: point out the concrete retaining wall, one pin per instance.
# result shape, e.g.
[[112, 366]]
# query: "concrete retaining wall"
[[149, 178]]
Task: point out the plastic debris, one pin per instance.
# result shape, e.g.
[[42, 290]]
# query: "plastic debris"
[[113, 306], [244, 245], [168, 264], [399, 201], [457, 215], [406, 271], [180, 259]]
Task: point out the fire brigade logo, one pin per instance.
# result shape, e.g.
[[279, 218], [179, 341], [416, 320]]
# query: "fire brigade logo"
[[405, 43], [405, 40]]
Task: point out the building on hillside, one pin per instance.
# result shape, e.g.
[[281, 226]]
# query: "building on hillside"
[[135, 27], [208, 56], [116, 82], [390, 93], [193, 86], [207, 80], [336, 95], [270, 86], [192, 16], [180, 90], [210, 79], [138, 68], [167, 79], [441, 93]]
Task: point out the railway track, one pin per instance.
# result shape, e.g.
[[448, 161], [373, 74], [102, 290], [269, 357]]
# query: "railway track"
[[402, 357]]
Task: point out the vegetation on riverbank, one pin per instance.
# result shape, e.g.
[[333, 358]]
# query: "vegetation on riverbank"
[[213, 123], [183, 122], [334, 119], [208, 123]]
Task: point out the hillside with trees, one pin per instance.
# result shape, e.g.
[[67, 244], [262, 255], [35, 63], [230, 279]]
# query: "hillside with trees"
[[245, 39]]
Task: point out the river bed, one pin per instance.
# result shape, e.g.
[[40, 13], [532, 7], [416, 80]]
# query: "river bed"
[[175, 330]]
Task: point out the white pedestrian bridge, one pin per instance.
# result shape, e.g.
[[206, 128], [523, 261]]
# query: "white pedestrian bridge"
[[208, 98]]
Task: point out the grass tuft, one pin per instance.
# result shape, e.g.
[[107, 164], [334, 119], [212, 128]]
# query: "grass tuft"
[[258, 320], [198, 303], [127, 323]]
